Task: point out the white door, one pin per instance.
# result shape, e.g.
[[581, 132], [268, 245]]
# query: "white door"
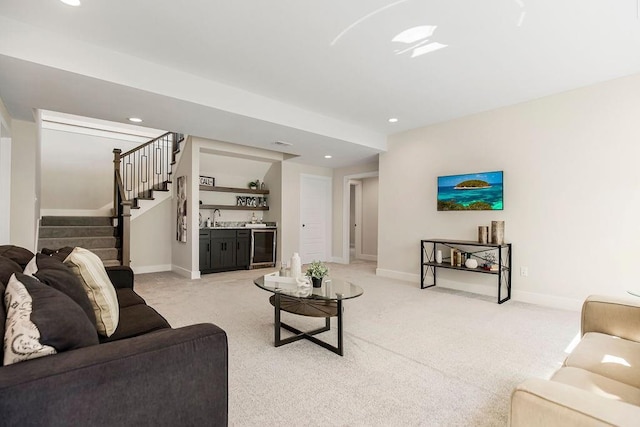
[[315, 218]]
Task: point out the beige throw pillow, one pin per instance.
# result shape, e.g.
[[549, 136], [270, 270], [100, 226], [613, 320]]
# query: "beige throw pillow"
[[90, 270]]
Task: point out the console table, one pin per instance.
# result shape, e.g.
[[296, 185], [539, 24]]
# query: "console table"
[[478, 251]]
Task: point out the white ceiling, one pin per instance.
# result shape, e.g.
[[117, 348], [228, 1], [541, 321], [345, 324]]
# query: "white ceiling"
[[323, 75]]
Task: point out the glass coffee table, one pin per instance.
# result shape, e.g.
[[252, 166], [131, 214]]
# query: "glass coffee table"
[[325, 301]]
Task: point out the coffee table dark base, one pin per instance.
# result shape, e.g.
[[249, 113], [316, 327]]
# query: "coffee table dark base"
[[309, 308]]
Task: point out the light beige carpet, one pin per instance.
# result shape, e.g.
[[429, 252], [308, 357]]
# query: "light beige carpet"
[[412, 357]]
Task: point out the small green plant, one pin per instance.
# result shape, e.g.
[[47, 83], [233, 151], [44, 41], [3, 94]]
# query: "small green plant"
[[317, 269]]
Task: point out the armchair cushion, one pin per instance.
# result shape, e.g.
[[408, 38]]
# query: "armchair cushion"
[[612, 357], [594, 383]]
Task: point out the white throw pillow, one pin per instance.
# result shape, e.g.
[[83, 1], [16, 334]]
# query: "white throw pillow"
[[90, 270]]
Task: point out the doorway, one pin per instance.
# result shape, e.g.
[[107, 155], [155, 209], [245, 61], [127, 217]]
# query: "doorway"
[[360, 218]]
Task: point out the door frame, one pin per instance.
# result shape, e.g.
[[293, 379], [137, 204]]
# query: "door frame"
[[357, 187], [328, 209], [346, 210]]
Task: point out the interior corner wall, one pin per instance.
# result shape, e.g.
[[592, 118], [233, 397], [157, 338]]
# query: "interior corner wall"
[[369, 224], [570, 192], [24, 140], [290, 228], [183, 254], [273, 178], [151, 239], [338, 203]]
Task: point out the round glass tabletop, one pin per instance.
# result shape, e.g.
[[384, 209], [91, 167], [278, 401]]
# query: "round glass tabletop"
[[331, 289]]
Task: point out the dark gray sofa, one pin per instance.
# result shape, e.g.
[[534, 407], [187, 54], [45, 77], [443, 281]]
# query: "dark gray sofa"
[[146, 374]]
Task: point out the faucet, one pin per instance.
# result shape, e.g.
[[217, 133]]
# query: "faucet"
[[214, 216]]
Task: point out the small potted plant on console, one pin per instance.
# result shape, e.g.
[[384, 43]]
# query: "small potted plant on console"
[[316, 271]]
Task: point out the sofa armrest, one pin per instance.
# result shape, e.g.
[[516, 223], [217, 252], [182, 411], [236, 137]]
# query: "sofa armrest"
[[538, 402], [619, 317], [168, 377], [120, 276]]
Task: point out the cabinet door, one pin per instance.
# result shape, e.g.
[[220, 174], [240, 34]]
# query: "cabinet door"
[[205, 254], [223, 253], [243, 250], [205, 250]]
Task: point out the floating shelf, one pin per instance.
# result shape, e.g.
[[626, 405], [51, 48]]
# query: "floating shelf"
[[235, 208], [232, 190]]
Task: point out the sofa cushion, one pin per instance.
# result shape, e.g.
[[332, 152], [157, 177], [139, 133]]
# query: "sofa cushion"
[[53, 272], [7, 268], [20, 255], [42, 321], [127, 297], [594, 383], [137, 320], [609, 356], [3, 316], [90, 270]]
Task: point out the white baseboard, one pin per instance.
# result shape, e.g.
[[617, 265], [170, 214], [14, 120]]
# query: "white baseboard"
[[151, 268], [547, 300], [185, 273], [399, 275], [521, 296]]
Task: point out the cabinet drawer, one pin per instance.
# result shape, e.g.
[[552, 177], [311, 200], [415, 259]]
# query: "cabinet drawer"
[[204, 234], [244, 233], [223, 234]]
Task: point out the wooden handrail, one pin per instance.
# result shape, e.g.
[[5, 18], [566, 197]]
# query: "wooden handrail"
[[164, 135]]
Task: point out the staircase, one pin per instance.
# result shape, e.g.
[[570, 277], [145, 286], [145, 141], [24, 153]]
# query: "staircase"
[[94, 233], [138, 173]]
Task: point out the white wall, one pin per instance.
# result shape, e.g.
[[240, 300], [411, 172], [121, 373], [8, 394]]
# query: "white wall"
[[152, 238], [370, 216], [5, 175], [23, 184], [67, 156], [184, 259], [571, 192]]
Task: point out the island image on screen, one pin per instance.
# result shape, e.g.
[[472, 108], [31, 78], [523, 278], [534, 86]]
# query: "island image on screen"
[[481, 191]]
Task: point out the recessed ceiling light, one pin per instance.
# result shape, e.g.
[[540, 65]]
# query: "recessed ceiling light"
[[135, 119], [393, 120], [71, 2], [328, 156]]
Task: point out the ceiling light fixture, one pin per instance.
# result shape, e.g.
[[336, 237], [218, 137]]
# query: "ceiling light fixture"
[[135, 119], [393, 120], [418, 38], [415, 34], [328, 156], [71, 2]]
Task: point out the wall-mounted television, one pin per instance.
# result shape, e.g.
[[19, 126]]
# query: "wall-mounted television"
[[471, 192]]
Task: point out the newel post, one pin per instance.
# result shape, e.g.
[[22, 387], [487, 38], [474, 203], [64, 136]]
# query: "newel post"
[[126, 233], [116, 167]]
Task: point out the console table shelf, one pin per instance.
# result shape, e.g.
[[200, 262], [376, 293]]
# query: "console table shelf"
[[478, 251]]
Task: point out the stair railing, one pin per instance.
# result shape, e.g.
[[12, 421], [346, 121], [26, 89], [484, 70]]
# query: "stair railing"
[[136, 174]]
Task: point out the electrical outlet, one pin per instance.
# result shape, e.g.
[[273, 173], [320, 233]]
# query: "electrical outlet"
[[524, 271]]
